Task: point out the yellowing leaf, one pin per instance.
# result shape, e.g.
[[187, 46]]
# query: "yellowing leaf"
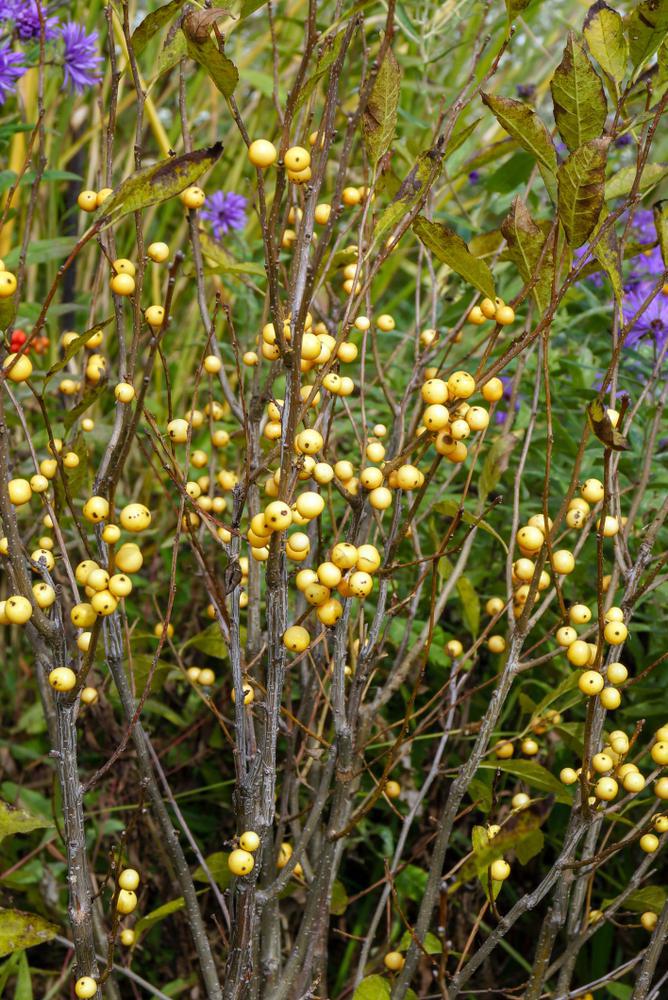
[[19, 930], [581, 186], [578, 97], [15, 820], [604, 33], [524, 125], [448, 247], [525, 248], [647, 27], [602, 427], [380, 115]]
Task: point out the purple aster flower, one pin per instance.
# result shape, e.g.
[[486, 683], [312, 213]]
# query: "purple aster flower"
[[12, 67], [474, 176], [80, 61], [25, 15], [225, 210], [652, 322], [502, 415], [648, 264], [643, 225], [624, 140], [583, 253], [526, 91]]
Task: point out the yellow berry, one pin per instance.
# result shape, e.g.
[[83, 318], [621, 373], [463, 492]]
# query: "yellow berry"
[[240, 862], [20, 369], [85, 987], [262, 153]]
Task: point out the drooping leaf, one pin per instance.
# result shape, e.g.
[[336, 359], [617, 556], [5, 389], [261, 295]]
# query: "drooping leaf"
[[603, 30], [325, 59], [169, 55], [622, 181], [661, 224], [578, 97], [204, 51], [530, 846], [647, 27], [602, 427], [412, 192], [451, 508], [379, 120], [448, 247], [15, 820], [581, 187], [159, 182], [76, 346], [525, 126], [373, 988], [19, 930], [526, 243], [533, 774], [152, 24]]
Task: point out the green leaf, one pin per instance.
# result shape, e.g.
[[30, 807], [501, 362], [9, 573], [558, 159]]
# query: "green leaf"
[[170, 54], [204, 51], [533, 774], [141, 668], [225, 262], [525, 248], [249, 7], [210, 642], [604, 33], [569, 683], [622, 181], [70, 417], [451, 249], [578, 97], [339, 901], [23, 988], [430, 944], [467, 594], [20, 930], [372, 988], [76, 346], [412, 192], [158, 183], [581, 186], [661, 224], [529, 847], [451, 508], [379, 120], [515, 7], [647, 27], [152, 24], [149, 920], [650, 897], [459, 136], [332, 48], [525, 126], [7, 311], [14, 820], [217, 865], [608, 253], [42, 251], [481, 793], [496, 463]]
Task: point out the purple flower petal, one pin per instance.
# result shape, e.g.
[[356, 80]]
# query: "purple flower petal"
[[81, 60], [225, 210]]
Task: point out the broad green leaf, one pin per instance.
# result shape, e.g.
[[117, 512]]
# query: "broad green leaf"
[[581, 186], [249, 7], [604, 33], [529, 847], [622, 181], [217, 865], [169, 55], [578, 97], [14, 820], [430, 944], [520, 828], [448, 247], [141, 668], [480, 793], [222, 259], [149, 920], [210, 642], [661, 223], [525, 248], [42, 251], [525, 126], [339, 901], [607, 251], [650, 897], [496, 463], [19, 930], [76, 346], [163, 180], [486, 244], [379, 120], [70, 417], [647, 27], [412, 192], [332, 48], [569, 683], [220, 68], [373, 988], [533, 774], [152, 24], [451, 508]]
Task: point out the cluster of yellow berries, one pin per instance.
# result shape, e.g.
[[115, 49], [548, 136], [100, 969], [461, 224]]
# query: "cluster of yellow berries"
[[612, 769], [126, 902], [495, 309], [528, 745]]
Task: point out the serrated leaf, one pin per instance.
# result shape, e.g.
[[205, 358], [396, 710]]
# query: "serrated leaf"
[[448, 247], [372, 988], [152, 24], [201, 47], [603, 30], [661, 224], [578, 97], [159, 182], [15, 820], [647, 27], [412, 191], [218, 867], [19, 930], [451, 508], [525, 126], [581, 187], [324, 61], [525, 242], [379, 119], [622, 181], [339, 901], [149, 920], [533, 774], [210, 642], [76, 346]]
